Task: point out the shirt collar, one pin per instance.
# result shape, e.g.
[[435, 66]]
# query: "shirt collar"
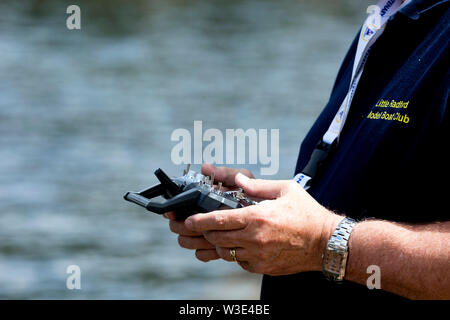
[[415, 8]]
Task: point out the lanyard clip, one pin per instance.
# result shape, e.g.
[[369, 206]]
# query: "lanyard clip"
[[319, 157]]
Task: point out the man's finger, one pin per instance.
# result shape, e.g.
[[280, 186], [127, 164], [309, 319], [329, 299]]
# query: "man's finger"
[[226, 239], [264, 189], [207, 255], [194, 243], [178, 227], [170, 215], [218, 220], [224, 174]]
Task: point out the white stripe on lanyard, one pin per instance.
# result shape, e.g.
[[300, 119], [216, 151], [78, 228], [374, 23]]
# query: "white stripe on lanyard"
[[372, 28]]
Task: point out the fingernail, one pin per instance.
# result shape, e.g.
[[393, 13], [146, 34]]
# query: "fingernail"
[[242, 177], [188, 224]]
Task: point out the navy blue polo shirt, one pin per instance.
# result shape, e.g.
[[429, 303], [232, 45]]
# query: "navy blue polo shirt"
[[392, 161]]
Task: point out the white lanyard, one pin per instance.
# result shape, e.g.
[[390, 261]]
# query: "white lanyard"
[[372, 28]]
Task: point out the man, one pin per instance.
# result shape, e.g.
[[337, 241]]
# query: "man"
[[387, 169]]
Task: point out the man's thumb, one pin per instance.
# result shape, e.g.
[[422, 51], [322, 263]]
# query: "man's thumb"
[[263, 189]]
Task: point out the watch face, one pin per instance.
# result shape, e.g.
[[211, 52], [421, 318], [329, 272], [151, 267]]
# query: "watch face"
[[333, 262]]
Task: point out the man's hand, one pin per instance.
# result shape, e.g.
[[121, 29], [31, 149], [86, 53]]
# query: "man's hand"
[[283, 236], [189, 239]]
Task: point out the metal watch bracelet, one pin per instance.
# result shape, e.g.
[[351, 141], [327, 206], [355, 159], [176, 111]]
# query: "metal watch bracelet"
[[334, 259]]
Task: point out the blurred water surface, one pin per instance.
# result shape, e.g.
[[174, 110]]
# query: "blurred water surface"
[[87, 115]]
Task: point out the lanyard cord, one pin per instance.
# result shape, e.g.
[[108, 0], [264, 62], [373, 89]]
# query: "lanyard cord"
[[371, 30]]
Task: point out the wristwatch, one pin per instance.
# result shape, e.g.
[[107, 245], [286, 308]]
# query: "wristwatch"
[[334, 259]]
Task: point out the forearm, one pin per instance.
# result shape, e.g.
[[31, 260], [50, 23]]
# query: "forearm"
[[414, 260]]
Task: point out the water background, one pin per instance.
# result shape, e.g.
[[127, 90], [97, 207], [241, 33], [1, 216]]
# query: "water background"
[[87, 115]]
